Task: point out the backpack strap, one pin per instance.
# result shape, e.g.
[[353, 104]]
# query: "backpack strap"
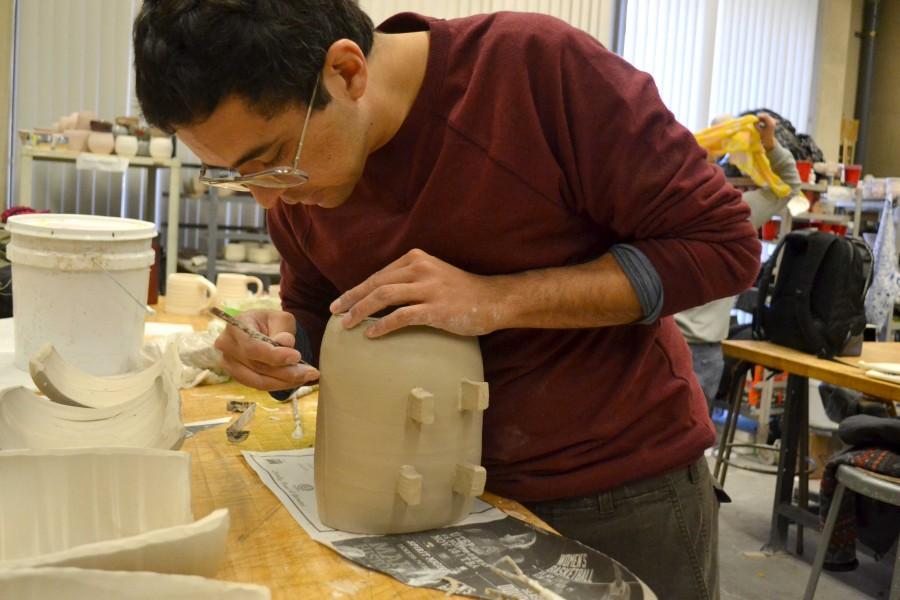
[[765, 282]]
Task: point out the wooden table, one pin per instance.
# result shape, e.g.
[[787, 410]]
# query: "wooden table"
[[265, 544], [800, 367]]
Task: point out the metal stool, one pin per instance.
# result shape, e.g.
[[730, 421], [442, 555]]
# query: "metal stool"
[[865, 483], [726, 441]]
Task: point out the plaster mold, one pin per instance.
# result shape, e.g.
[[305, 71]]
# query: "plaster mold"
[[124, 509], [151, 418], [65, 384], [399, 423], [82, 584]]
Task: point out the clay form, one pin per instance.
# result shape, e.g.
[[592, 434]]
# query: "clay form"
[[124, 509], [82, 584], [151, 418], [64, 384], [398, 429]]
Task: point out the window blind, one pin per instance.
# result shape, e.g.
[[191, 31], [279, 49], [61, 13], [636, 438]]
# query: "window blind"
[[711, 57]]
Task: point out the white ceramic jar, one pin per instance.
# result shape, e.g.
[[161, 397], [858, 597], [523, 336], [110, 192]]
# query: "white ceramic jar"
[[161, 147], [126, 145], [101, 142]]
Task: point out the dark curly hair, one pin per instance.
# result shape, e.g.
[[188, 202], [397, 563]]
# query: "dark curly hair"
[[191, 54]]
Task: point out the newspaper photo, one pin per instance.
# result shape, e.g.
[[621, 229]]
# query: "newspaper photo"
[[487, 555]]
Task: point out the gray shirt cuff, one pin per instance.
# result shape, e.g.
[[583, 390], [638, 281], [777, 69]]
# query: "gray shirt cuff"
[[644, 279]]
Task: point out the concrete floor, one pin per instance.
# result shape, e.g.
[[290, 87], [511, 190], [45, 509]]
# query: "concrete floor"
[[748, 575]]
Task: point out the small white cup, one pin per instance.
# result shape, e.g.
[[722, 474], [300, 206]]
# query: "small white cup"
[[273, 253], [126, 145], [188, 294], [275, 291], [161, 147], [259, 255], [235, 252], [235, 286]]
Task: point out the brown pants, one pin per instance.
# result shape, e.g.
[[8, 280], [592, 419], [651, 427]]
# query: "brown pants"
[[664, 529]]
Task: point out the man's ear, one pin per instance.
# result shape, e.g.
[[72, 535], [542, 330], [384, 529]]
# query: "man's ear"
[[346, 72]]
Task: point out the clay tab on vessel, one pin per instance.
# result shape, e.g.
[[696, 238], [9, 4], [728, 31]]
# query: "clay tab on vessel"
[[469, 480], [421, 406], [409, 486], [473, 395]]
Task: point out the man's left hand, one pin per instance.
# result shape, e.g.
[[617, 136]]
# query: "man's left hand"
[[427, 291]]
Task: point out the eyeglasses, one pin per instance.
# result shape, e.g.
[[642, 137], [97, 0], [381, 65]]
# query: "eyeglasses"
[[272, 178]]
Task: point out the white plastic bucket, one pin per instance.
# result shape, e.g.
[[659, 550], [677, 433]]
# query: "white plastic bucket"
[[63, 268]]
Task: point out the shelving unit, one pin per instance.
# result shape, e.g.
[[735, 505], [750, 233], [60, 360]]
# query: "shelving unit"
[[29, 154], [214, 234]]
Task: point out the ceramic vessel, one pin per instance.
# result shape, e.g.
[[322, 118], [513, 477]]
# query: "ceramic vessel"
[[236, 252], [274, 256], [84, 118], [77, 139], [189, 294], [101, 142], [126, 145], [161, 147], [259, 255], [236, 286], [69, 121], [398, 442]]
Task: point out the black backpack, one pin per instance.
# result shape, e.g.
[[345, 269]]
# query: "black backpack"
[[818, 283]]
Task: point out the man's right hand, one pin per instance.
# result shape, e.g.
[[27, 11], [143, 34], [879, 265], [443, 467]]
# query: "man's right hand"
[[261, 365]]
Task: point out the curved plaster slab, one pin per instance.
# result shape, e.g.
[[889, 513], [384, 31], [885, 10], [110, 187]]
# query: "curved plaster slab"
[[82, 584], [105, 508], [65, 384], [150, 420]]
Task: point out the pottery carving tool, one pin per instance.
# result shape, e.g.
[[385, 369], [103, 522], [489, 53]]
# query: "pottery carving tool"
[[254, 334], [237, 431]]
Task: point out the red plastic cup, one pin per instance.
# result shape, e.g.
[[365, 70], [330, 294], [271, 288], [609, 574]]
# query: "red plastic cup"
[[852, 174], [770, 230], [804, 167]]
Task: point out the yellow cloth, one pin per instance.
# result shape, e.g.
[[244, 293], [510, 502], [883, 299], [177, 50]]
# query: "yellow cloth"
[[739, 139]]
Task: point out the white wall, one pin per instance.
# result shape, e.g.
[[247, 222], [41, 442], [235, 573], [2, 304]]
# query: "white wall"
[[73, 55], [836, 68], [592, 16], [6, 28]]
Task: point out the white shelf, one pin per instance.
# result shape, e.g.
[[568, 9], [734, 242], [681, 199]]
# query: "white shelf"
[[29, 154], [72, 156]]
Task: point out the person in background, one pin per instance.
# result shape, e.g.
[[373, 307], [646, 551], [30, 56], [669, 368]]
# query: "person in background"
[[501, 176], [704, 327]]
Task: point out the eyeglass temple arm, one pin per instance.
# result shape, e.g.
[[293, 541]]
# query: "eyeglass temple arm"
[[309, 110]]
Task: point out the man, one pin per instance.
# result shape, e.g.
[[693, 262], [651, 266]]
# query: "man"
[[704, 327], [501, 176]]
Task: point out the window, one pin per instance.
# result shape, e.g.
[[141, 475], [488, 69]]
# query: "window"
[[711, 57]]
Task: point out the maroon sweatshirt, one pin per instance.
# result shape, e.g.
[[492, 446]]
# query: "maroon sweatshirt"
[[531, 146]]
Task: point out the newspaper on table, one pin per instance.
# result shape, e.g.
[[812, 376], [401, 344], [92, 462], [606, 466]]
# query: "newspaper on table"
[[290, 476], [487, 555]]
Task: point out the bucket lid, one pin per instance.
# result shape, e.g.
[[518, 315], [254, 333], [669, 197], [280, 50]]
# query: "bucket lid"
[[80, 227]]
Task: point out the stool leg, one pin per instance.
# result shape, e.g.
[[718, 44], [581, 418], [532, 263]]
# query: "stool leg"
[[734, 412], [895, 578], [823, 542]]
